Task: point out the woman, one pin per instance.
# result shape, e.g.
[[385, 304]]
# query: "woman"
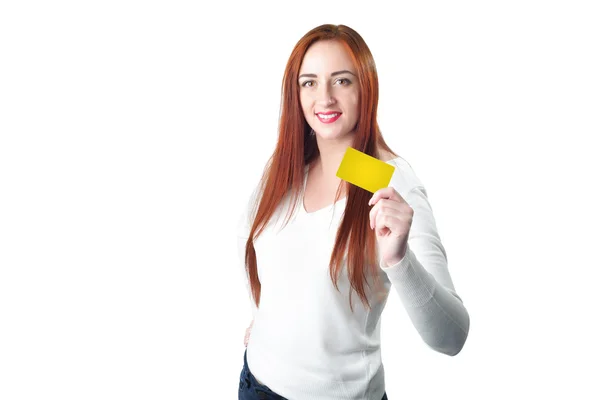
[[309, 340]]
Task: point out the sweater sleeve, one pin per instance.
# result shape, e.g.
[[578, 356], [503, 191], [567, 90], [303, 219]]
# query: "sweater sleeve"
[[423, 282]]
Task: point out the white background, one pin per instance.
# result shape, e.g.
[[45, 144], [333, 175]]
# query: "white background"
[[132, 132]]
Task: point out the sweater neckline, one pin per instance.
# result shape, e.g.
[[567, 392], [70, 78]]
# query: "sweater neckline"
[[330, 206], [320, 210]]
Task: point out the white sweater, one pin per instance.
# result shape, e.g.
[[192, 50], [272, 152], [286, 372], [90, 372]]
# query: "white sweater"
[[305, 343]]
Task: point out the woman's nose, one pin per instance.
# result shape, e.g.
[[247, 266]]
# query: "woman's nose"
[[325, 96]]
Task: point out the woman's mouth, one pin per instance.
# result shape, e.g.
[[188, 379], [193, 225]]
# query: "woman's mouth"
[[328, 118]]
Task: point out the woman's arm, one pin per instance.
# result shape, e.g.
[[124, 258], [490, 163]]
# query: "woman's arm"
[[423, 282]]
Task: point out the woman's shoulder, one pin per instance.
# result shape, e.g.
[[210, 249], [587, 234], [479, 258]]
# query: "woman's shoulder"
[[404, 179]]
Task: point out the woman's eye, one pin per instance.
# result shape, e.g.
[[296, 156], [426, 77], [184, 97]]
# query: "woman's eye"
[[308, 84], [343, 81]]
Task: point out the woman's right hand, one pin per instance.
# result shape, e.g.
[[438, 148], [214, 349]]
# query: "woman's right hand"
[[247, 337]]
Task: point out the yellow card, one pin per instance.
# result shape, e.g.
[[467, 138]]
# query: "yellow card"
[[364, 171]]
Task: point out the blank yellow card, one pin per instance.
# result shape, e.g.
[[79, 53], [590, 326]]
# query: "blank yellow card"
[[364, 171]]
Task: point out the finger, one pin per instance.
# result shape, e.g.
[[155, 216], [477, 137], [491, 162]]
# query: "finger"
[[373, 214], [396, 221], [381, 205], [381, 193], [386, 193], [388, 219], [377, 209]]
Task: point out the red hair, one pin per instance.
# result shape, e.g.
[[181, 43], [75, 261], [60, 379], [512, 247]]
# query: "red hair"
[[296, 148]]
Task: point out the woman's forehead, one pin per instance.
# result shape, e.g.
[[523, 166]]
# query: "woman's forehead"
[[325, 57]]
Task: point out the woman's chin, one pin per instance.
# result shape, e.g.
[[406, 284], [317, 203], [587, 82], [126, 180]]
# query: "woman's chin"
[[332, 135]]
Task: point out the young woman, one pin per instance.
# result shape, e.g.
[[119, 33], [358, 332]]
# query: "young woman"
[[308, 240]]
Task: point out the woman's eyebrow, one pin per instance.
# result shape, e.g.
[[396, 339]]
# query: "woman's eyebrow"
[[333, 74]]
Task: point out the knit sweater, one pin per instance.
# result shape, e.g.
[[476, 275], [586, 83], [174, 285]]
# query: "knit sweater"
[[306, 343]]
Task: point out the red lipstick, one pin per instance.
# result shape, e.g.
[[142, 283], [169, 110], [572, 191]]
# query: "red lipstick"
[[331, 116]]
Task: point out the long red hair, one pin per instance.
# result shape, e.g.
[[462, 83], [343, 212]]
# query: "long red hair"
[[296, 148]]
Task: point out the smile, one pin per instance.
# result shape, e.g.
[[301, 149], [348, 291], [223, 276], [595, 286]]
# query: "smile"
[[328, 118]]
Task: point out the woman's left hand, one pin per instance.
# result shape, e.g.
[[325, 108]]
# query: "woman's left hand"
[[391, 217]]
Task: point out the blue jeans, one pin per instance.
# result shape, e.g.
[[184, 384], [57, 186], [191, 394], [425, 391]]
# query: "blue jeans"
[[250, 389]]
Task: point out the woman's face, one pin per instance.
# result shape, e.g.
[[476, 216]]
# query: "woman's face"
[[329, 90]]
